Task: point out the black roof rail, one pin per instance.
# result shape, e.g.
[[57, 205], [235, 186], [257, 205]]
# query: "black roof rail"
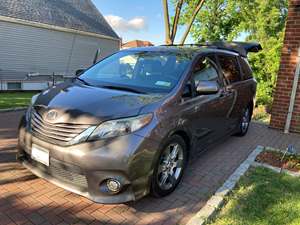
[[242, 48]]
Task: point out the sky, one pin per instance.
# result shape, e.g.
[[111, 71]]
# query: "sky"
[[136, 19]]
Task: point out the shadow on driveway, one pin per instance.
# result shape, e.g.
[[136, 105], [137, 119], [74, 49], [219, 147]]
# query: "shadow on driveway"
[[26, 198]]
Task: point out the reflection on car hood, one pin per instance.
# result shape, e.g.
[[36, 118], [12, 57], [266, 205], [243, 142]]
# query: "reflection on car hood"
[[80, 104]]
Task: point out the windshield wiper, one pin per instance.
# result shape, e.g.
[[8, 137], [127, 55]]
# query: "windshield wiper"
[[123, 89], [83, 81]]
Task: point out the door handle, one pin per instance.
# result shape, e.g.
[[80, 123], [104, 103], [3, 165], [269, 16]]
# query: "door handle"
[[225, 93]]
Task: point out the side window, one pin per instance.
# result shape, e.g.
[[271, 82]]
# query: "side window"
[[246, 68], [205, 70], [230, 68]]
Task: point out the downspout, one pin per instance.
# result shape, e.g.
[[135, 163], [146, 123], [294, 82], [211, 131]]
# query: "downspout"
[[293, 96]]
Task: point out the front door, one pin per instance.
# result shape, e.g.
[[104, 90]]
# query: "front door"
[[207, 115]]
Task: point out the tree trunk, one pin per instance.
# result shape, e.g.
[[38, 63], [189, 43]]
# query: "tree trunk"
[[176, 19], [195, 13], [167, 22]]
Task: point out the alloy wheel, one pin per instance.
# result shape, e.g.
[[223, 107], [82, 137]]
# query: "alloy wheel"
[[245, 120], [170, 166]]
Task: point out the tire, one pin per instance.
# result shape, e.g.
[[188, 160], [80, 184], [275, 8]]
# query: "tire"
[[169, 167], [243, 126]]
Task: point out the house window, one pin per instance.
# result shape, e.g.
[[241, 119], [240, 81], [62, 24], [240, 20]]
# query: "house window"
[[14, 86]]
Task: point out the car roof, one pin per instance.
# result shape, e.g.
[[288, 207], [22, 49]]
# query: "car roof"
[[193, 50]]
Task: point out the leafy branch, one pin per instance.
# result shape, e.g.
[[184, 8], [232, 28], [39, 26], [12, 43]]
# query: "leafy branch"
[[171, 31]]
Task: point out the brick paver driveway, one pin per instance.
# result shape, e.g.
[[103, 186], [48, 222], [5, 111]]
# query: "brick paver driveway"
[[26, 199]]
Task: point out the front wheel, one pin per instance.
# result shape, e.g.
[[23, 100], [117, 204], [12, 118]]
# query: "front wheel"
[[245, 122], [170, 166]]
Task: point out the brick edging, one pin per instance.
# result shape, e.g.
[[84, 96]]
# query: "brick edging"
[[218, 199], [13, 109]]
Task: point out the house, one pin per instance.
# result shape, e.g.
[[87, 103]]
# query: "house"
[[42, 38], [286, 106], [136, 43], [14, 80]]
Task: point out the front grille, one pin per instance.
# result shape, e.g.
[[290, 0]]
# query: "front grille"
[[55, 132], [63, 172]]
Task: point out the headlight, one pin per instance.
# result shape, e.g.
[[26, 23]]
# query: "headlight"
[[28, 112], [120, 127]]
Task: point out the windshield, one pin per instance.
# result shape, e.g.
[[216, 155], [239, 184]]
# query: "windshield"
[[141, 71]]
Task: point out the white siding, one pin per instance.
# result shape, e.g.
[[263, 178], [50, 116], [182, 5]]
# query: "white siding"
[[34, 86], [30, 49], [84, 51], [3, 86]]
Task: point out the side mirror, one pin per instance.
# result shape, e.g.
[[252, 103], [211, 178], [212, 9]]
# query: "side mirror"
[[207, 87], [187, 91], [79, 72]]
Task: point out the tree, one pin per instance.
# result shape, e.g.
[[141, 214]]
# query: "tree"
[[256, 20], [268, 29], [218, 20], [168, 39], [180, 5]]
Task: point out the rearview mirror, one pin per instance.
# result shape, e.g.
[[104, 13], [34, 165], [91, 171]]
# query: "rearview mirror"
[[79, 72], [207, 87]]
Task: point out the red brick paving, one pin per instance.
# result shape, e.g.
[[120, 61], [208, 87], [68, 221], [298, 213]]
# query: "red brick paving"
[[26, 199]]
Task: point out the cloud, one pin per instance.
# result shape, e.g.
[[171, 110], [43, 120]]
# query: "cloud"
[[120, 24]]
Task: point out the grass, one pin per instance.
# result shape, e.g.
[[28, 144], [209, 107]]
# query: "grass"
[[262, 197], [260, 114], [15, 99]]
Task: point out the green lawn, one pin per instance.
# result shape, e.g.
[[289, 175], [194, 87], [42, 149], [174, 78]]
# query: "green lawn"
[[262, 197], [15, 99]]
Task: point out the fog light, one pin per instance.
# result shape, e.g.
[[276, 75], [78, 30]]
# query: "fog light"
[[113, 185]]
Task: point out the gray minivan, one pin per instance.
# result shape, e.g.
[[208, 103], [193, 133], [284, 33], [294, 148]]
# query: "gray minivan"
[[127, 126]]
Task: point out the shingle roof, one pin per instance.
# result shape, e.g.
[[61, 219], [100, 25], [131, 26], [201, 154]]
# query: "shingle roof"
[[74, 14]]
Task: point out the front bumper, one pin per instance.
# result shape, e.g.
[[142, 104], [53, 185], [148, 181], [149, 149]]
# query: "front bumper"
[[84, 168]]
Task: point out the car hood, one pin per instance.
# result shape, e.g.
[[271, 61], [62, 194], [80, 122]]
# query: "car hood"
[[81, 104]]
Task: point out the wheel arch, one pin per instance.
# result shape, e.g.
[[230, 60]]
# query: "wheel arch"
[[180, 132], [186, 139], [184, 135], [251, 106]]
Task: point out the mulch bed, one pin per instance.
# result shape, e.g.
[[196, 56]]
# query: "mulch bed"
[[290, 162]]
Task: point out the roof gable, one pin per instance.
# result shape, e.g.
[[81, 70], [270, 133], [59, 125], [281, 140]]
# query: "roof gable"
[[73, 14], [137, 43]]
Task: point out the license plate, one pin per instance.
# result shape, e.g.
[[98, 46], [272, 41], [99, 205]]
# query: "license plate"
[[40, 154]]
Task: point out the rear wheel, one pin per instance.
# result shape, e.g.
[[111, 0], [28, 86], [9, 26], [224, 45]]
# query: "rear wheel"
[[245, 122], [170, 166]]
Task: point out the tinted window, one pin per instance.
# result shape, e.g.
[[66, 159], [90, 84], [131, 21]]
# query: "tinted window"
[[205, 71], [246, 69], [146, 71], [230, 68]]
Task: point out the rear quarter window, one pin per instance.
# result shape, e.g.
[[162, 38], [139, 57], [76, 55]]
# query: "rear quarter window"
[[230, 68], [246, 69]]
